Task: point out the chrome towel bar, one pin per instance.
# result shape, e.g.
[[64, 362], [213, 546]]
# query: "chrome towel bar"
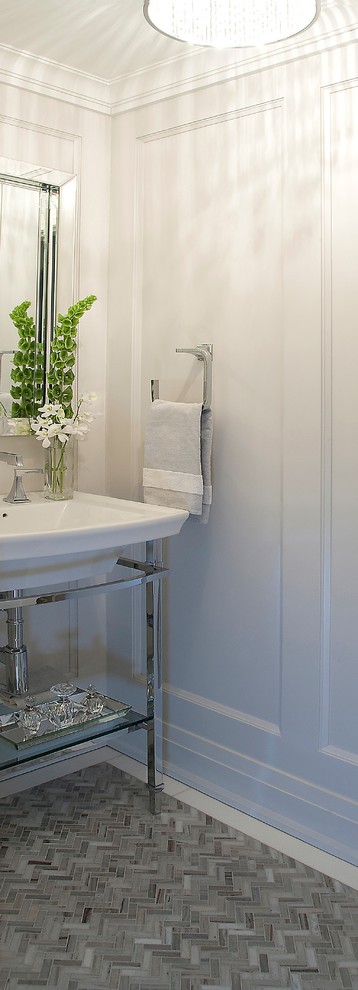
[[203, 352]]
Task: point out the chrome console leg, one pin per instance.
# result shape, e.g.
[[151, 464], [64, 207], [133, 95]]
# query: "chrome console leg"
[[15, 652], [154, 681]]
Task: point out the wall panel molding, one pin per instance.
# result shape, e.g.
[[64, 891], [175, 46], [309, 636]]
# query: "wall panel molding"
[[294, 766], [327, 93], [212, 120], [144, 140], [141, 141], [210, 706], [227, 711], [326, 450], [305, 810], [340, 754], [272, 800], [69, 144]]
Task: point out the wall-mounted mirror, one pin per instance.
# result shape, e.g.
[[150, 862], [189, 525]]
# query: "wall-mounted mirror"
[[37, 236]]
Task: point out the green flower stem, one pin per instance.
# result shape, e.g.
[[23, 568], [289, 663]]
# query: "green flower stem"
[[61, 373], [27, 372], [29, 361], [57, 465]]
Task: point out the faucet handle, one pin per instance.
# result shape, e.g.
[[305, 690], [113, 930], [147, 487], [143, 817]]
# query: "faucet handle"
[[10, 457], [17, 492]]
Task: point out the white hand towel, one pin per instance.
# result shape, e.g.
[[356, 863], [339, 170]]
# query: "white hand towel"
[[177, 457]]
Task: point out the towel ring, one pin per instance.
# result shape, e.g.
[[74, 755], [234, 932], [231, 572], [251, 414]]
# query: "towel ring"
[[203, 352]]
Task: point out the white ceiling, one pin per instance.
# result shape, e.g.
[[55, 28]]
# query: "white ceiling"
[[109, 39], [105, 38]]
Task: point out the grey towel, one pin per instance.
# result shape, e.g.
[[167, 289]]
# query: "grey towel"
[[177, 457], [206, 444]]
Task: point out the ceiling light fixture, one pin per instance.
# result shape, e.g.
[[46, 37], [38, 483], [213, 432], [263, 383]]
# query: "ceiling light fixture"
[[230, 23]]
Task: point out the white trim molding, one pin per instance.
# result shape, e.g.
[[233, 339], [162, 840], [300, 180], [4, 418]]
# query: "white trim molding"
[[177, 77], [301, 807], [59, 82], [226, 710], [325, 743], [194, 69]]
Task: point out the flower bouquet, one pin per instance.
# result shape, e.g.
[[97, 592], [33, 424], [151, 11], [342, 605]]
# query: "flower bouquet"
[[56, 432]]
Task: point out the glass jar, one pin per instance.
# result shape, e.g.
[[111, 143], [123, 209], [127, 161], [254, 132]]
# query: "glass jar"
[[59, 469]]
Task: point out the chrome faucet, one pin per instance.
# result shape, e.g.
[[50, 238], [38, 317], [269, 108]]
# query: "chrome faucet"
[[17, 492]]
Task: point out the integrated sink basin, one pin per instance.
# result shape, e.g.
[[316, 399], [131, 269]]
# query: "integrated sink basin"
[[43, 541]]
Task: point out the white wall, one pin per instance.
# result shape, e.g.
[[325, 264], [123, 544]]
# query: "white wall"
[[234, 221], [51, 133], [46, 131]]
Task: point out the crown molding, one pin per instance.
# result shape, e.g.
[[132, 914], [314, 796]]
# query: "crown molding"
[[59, 82], [159, 83], [191, 70]]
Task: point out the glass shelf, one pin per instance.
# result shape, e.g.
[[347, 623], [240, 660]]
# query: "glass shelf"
[[18, 745], [22, 750]]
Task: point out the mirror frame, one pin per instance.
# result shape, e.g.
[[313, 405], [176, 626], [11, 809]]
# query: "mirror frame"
[[55, 261]]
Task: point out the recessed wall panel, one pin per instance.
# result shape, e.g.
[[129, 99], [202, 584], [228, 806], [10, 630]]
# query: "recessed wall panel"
[[341, 660], [211, 270]]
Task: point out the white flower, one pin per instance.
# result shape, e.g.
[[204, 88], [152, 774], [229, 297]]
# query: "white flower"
[[89, 397], [52, 423]]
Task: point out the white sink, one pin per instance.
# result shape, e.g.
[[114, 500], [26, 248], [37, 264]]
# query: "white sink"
[[44, 542]]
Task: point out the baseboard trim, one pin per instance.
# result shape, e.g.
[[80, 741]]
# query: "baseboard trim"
[[281, 808]]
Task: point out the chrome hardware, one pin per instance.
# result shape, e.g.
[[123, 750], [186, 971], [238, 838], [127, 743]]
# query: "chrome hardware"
[[17, 492], [203, 352], [10, 457], [15, 651], [16, 670]]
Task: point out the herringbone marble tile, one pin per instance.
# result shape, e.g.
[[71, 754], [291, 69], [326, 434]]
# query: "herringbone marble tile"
[[97, 894]]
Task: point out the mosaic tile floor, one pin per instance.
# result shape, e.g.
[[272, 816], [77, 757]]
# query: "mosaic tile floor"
[[97, 894]]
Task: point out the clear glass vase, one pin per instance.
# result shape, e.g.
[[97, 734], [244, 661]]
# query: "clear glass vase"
[[59, 469]]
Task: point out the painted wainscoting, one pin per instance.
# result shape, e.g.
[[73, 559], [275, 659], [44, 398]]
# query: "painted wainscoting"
[[234, 221]]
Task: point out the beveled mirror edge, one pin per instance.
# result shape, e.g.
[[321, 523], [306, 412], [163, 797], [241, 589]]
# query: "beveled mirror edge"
[[58, 254]]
